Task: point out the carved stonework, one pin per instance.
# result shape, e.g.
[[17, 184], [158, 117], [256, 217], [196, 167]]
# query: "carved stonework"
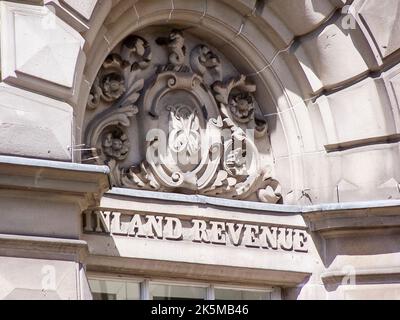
[[166, 115]]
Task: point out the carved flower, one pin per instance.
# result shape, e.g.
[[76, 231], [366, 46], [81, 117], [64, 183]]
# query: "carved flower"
[[113, 86], [242, 107], [116, 145]]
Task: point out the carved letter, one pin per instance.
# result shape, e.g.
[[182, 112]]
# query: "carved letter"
[[200, 233], [103, 222], [116, 223], [136, 227], [154, 225], [235, 235], [218, 235], [250, 238], [173, 229], [269, 237], [300, 242], [88, 221], [285, 239]]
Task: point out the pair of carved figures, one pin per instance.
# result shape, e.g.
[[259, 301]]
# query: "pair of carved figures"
[[199, 132]]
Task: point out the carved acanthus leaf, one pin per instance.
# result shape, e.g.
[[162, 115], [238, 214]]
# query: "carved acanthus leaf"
[[223, 89], [140, 177], [139, 50], [117, 116], [203, 60]]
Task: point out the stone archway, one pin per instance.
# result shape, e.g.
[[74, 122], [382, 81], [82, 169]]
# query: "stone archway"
[[308, 81]]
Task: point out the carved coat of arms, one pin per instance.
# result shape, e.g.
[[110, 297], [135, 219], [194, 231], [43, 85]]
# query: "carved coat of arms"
[[198, 127]]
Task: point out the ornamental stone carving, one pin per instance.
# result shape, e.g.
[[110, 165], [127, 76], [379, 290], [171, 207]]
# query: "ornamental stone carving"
[[170, 113]]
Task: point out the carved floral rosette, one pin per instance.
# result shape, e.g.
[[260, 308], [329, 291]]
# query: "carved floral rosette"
[[199, 128]]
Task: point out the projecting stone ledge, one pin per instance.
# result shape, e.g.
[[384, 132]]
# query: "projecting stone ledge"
[[86, 183], [41, 202]]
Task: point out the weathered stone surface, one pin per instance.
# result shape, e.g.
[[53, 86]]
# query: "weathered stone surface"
[[23, 279], [313, 13], [382, 21], [368, 100], [34, 125], [85, 8], [36, 43], [325, 80], [332, 56]]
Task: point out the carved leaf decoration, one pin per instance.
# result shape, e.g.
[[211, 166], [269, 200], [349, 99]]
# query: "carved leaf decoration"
[[221, 177], [223, 89], [202, 59], [119, 86], [114, 61], [131, 180], [270, 194], [141, 177], [95, 95], [222, 183], [115, 172], [125, 113], [133, 94], [139, 49]]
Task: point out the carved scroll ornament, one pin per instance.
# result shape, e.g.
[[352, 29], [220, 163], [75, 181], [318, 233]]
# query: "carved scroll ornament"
[[200, 132]]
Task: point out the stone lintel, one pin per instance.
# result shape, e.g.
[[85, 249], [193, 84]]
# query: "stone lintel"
[[200, 272], [371, 218]]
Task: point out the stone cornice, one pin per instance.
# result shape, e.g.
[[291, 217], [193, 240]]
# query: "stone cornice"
[[331, 219], [306, 210], [65, 179], [354, 218], [32, 246], [365, 276]]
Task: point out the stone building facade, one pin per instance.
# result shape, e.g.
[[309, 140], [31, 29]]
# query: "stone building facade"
[[209, 149]]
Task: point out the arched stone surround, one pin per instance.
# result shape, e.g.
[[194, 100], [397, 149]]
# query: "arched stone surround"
[[308, 82]]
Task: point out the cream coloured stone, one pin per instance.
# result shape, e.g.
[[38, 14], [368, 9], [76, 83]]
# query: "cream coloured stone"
[[35, 43], [34, 125], [332, 56], [382, 21], [325, 151], [360, 112], [85, 8], [33, 279], [312, 13]]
